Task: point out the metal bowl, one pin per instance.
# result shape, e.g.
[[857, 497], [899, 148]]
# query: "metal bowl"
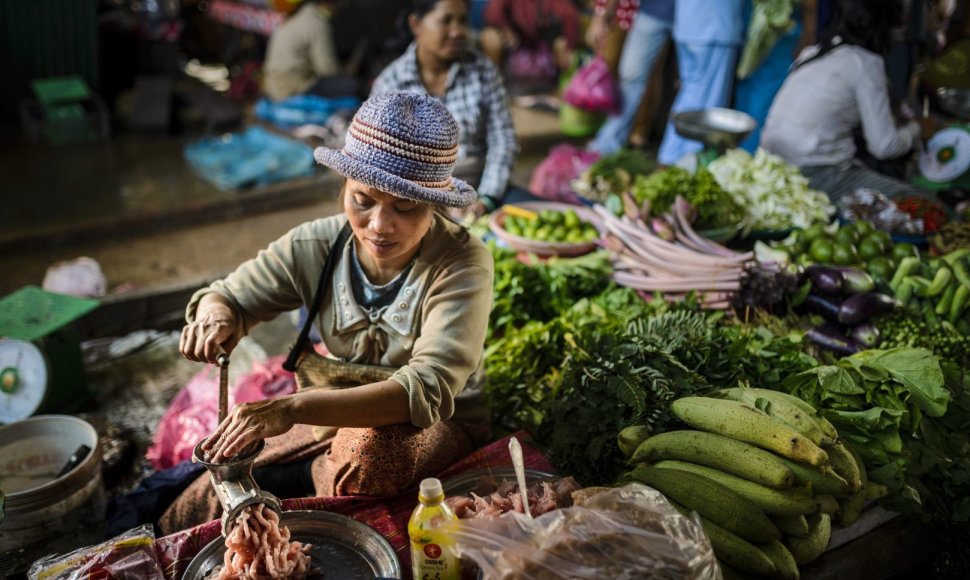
[[343, 548], [954, 101], [719, 128]]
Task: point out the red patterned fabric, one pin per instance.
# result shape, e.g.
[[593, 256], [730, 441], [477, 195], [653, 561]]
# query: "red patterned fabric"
[[243, 17], [626, 10], [389, 516]]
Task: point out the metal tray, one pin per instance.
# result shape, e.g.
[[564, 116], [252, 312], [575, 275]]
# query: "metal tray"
[[469, 481], [343, 548]]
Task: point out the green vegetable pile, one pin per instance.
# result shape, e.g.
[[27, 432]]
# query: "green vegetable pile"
[[550, 225], [907, 413], [612, 174], [715, 207], [774, 193]]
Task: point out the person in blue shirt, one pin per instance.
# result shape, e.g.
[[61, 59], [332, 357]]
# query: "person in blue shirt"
[[707, 34], [644, 44]]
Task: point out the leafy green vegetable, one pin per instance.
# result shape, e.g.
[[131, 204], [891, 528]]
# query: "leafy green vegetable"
[[612, 173], [715, 207]]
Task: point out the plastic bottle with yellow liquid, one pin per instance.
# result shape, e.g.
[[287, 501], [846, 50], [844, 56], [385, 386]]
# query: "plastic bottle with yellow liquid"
[[433, 554]]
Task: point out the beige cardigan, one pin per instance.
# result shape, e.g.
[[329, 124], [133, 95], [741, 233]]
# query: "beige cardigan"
[[433, 333]]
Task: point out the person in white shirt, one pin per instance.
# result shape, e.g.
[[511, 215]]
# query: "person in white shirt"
[[835, 88]]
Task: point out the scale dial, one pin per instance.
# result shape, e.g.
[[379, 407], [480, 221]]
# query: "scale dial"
[[23, 379], [947, 155]]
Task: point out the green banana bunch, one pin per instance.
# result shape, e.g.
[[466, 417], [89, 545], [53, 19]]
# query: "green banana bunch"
[[719, 452], [746, 423]]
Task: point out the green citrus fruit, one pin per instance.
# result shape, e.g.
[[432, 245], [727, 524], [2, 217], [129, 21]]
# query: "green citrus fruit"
[[821, 250]]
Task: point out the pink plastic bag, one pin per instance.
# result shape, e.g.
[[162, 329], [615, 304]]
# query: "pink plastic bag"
[[553, 176], [193, 413], [593, 88]]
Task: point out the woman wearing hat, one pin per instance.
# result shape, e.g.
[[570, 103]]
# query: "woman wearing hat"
[[390, 283]]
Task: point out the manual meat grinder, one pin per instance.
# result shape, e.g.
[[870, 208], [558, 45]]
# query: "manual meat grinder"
[[233, 480]]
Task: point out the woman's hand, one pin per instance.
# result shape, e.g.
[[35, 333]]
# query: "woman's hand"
[[246, 424], [213, 331]]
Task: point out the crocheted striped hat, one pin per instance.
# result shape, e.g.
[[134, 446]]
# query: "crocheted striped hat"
[[405, 144]]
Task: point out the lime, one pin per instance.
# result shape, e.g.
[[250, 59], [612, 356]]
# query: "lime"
[[571, 220], [876, 239], [814, 231], [558, 234], [863, 228], [869, 248], [887, 240], [513, 228], [881, 267], [551, 216], [846, 234], [845, 254], [821, 250], [903, 250], [543, 233]]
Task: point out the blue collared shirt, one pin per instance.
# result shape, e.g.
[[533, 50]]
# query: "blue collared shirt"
[[476, 97], [709, 21]]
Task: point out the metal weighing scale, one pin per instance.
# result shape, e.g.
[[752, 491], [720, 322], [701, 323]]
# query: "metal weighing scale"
[[41, 368], [718, 129], [944, 164]]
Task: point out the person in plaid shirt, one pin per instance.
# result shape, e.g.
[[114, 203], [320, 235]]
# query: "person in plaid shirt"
[[439, 63]]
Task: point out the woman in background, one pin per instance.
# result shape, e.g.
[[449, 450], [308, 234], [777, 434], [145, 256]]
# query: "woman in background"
[[835, 88], [439, 63]]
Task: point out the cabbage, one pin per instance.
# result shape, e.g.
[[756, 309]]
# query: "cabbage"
[[775, 194]]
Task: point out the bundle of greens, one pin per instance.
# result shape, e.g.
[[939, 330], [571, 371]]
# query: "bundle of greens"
[[535, 290], [612, 378], [907, 413], [715, 207], [523, 364], [612, 174]]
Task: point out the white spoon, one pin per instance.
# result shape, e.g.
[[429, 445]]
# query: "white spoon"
[[517, 462]]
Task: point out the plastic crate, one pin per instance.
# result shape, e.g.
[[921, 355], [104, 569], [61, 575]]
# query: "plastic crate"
[[83, 121]]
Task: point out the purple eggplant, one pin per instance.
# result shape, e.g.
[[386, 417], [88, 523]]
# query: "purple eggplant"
[[866, 334], [825, 279], [861, 307], [826, 307], [830, 337], [855, 281]]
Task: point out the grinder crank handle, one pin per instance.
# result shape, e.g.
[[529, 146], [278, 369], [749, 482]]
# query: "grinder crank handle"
[[223, 360]]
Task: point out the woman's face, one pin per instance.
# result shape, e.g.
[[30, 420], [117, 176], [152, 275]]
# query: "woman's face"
[[388, 229], [442, 32]]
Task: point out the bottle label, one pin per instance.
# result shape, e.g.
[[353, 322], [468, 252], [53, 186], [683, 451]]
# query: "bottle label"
[[432, 562]]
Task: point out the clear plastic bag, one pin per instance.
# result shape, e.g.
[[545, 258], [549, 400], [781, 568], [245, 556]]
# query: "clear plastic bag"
[[130, 555], [622, 533]]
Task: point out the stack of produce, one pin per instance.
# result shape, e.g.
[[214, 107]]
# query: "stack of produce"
[[774, 193], [611, 174], [669, 257], [906, 411], [951, 237], [847, 301], [857, 244], [715, 207], [936, 289], [548, 225], [766, 474]]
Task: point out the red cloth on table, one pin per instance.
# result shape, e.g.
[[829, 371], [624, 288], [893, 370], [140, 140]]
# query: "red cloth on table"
[[389, 516]]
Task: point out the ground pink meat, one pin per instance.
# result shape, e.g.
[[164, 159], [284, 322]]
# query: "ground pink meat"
[[543, 497]]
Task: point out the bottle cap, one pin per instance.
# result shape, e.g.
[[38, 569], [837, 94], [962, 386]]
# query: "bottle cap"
[[431, 488]]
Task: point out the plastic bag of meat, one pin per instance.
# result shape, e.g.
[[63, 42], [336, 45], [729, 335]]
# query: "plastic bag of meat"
[[622, 533]]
